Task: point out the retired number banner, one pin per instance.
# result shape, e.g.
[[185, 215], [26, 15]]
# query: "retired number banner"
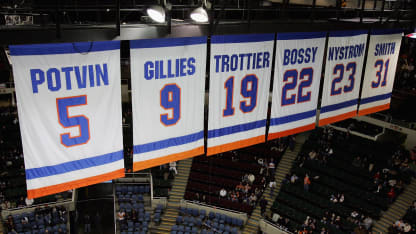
[[240, 70], [343, 69], [69, 104], [296, 82], [383, 53], [168, 90]]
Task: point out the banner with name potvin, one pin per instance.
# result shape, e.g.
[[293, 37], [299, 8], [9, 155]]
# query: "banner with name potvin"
[[343, 69], [168, 91], [383, 53], [296, 82], [69, 104], [240, 70]]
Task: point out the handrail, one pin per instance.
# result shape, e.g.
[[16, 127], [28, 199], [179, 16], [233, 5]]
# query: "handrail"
[[280, 227], [214, 207], [38, 205]]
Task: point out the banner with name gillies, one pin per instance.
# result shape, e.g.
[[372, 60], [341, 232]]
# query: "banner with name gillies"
[[343, 69], [240, 70], [383, 53], [69, 104], [297, 77], [168, 91]]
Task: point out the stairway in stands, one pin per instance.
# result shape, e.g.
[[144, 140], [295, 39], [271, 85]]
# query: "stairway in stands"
[[284, 167], [396, 210], [168, 218]]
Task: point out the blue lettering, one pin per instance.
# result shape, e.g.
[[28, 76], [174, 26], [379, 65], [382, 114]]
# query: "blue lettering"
[[81, 80], [191, 66], [51, 86], [36, 82], [103, 73], [148, 72]]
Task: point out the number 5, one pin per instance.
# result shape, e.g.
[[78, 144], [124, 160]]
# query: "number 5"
[[80, 121]]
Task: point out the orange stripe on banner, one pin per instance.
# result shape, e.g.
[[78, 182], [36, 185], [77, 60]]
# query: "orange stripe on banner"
[[305, 128], [373, 109], [337, 118], [40, 192], [137, 166], [235, 145]]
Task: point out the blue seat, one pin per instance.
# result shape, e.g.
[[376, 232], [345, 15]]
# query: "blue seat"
[[234, 230], [130, 189], [211, 215], [174, 228], [195, 212], [179, 219], [228, 220], [202, 214], [147, 189], [173, 232]]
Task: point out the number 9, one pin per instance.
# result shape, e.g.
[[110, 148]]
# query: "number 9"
[[170, 98]]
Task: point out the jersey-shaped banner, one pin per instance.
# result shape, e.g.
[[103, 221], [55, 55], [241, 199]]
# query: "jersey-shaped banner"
[[168, 90], [240, 73], [69, 103], [383, 52], [296, 82], [343, 69]]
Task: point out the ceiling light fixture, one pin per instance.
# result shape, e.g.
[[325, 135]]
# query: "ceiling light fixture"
[[157, 13], [200, 14]]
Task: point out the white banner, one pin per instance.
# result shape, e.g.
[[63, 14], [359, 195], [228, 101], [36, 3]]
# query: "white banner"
[[343, 69], [69, 104], [168, 90], [383, 53], [240, 70], [296, 82]]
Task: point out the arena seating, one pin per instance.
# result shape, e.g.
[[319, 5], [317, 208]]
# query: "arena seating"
[[41, 220], [340, 173], [131, 213], [192, 220], [209, 175]]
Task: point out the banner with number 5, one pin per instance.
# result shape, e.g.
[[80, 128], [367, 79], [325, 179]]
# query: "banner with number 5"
[[343, 69], [383, 53], [240, 70], [168, 90], [296, 82], [69, 104]]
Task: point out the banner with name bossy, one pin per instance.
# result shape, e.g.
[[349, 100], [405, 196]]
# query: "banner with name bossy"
[[343, 69], [383, 53], [240, 71], [69, 104], [296, 82], [168, 90]]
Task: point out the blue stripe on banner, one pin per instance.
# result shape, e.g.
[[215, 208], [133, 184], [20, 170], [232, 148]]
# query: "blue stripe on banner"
[[347, 33], [300, 35], [175, 141], [386, 31], [339, 106], [236, 128], [167, 42], [64, 48], [292, 118], [220, 39], [99, 160], [375, 98]]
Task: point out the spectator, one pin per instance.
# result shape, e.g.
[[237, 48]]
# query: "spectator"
[[172, 167], [28, 201], [306, 183], [87, 223]]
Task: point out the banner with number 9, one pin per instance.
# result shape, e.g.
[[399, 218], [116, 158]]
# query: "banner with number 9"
[[168, 90]]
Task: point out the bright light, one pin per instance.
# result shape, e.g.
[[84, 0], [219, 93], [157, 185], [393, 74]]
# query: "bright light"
[[199, 15], [156, 13], [411, 35]]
